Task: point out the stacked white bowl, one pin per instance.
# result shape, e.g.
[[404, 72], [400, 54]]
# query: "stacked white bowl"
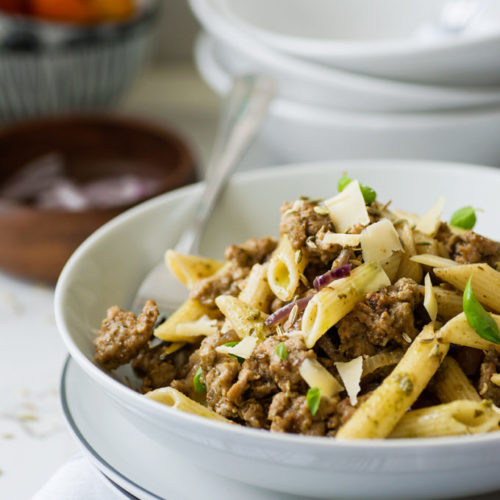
[[385, 78]]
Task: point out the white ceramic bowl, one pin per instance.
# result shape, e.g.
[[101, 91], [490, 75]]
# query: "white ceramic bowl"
[[109, 266], [316, 84], [377, 38], [300, 132]]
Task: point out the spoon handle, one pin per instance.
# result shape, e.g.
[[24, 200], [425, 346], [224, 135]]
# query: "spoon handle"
[[242, 115]]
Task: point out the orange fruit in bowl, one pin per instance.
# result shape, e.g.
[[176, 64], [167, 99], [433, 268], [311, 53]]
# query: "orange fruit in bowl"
[[113, 10], [73, 11], [83, 11]]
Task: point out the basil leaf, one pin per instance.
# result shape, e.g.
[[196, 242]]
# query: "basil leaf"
[[464, 217], [343, 182], [281, 351], [313, 399], [480, 321], [198, 385], [368, 193], [231, 344]]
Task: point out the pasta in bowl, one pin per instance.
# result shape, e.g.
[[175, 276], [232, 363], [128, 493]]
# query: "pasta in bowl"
[[325, 332]]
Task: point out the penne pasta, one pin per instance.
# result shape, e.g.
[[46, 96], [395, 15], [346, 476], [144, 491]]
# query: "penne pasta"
[[257, 293], [485, 281], [245, 320], [451, 383], [331, 304], [449, 302], [379, 414], [285, 268], [451, 419], [189, 269], [189, 312], [176, 399], [458, 331], [407, 267], [430, 300], [431, 260]]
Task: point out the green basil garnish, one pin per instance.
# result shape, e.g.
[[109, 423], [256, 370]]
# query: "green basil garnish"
[[313, 399], [480, 321], [464, 217], [281, 351], [369, 194], [198, 385], [343, 182]]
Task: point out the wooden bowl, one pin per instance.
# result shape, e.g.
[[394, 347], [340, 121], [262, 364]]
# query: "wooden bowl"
[[35, 242]]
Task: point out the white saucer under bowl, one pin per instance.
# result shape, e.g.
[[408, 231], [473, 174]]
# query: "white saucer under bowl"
[[134, 462]]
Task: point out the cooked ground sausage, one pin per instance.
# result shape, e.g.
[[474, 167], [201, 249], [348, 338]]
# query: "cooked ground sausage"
[[123, 336], [469, 248], [381, 318]]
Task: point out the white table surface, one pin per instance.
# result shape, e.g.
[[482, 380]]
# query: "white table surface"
[[33, 439]]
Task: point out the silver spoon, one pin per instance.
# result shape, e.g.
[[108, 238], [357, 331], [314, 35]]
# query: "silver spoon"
[[243, 112]]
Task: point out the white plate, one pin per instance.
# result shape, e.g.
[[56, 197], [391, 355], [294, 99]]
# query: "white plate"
[[132, 460], [108, 267]]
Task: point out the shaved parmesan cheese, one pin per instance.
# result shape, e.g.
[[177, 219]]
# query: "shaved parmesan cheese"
[[430, 301], [350, 373], [344, 240], [204, 326], [431, 260], [316, 375], [429, 223], [380, 241], [348, 208], [242, 349]]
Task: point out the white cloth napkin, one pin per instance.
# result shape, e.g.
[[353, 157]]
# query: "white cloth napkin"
[[77, 480]]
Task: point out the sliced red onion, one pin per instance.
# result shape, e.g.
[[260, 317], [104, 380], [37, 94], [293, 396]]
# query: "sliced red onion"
[[283, 312], [37, 175], [122, 190], [332, 275]]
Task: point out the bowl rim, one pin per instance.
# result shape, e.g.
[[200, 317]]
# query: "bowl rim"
[[127, 395], [321, 49], [183, 171], [218, 78]]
